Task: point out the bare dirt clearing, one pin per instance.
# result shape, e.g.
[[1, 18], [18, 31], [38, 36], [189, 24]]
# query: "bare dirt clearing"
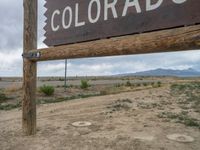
[[135, 120]]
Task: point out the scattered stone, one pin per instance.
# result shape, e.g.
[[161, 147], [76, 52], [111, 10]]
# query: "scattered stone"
[[180, 138], [81, 124]]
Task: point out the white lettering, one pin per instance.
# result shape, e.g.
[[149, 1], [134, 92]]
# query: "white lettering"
[[110, 6], [64, 17], [90, 11], [108, 9], [150, 6], [179, 1], [129, 3], [56, 12], [77, 23]]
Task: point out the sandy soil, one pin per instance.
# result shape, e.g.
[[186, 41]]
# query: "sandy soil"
[[117, 124]]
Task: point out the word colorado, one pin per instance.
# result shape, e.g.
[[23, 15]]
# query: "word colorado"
[[92, 11]]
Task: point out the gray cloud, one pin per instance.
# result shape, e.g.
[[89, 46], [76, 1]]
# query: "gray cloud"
[[11, 25]]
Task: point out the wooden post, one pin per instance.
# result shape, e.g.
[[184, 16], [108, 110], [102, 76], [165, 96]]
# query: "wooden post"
[[65, 75], [29, 68]]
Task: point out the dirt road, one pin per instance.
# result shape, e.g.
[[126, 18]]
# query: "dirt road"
[[119, 122]]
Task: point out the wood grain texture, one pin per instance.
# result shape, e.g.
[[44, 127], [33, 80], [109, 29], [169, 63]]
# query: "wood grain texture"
[[179, 39], [29, 68]]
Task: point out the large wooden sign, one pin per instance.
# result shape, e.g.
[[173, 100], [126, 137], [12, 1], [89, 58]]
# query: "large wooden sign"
[[72, 21]]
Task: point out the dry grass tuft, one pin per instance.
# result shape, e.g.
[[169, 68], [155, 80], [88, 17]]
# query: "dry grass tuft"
[[13, 88]]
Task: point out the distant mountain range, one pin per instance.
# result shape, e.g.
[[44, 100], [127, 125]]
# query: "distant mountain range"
[[166, 72]]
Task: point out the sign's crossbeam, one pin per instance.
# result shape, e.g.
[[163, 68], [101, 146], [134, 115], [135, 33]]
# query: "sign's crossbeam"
[[177, 39]]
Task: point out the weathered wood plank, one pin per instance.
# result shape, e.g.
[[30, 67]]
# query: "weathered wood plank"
[[178, 39], [29, 68], [167, 14]]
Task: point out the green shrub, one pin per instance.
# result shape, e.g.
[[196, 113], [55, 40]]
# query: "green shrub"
[[61, 79], [84, 84], [118, 85], [138, 84], [159, 84], [10, 106], [103, 92], [47, 90], [2, 97], [145, 84], [181, 117], [128, 83]]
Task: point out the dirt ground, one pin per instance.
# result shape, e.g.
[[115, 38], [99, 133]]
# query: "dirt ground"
[[126, 121]]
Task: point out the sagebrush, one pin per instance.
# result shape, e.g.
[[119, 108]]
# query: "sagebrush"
[[47, 90], [84, 84]]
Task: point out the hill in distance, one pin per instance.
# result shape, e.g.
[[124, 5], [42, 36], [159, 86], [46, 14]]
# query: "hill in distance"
[[166, 72]]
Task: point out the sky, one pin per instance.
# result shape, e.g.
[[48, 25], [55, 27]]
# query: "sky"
[[11, 39]]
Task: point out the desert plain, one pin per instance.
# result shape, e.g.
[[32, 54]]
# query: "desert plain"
[[125, 113]]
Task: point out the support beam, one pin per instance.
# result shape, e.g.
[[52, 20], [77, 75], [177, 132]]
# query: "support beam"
[[29, 68], [177, 39]]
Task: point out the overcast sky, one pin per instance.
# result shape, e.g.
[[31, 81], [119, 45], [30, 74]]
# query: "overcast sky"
[[11, 25]]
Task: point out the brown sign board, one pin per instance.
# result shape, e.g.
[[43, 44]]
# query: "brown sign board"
[[73, 21]]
